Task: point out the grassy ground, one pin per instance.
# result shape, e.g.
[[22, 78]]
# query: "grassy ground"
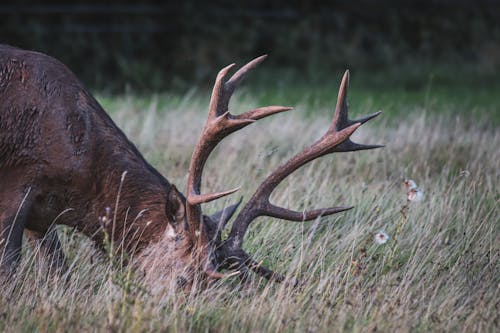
[[439, 270]]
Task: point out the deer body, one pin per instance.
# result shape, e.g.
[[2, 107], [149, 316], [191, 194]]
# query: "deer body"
[[64, 161]]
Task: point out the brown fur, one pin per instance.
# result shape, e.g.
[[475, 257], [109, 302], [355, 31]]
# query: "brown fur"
[[62, 159]]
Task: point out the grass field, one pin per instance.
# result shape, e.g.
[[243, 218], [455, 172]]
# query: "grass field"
[[439, 271]]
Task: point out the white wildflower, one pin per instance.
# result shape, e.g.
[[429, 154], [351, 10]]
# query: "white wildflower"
[[415, 195], [413, 192], [381, 237], [409, 184]]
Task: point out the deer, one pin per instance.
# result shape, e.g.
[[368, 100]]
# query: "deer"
[[63, 161]]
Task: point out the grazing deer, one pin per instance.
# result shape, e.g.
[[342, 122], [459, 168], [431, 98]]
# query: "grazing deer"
[[64, 161]]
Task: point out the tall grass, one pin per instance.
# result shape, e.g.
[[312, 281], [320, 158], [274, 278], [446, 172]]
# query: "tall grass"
[[438, 271]]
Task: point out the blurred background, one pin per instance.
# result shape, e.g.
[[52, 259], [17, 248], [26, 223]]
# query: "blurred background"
[[439, 56], [412, 48]]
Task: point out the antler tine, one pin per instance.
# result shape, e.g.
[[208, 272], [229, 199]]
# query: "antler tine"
[[340, 117], [291, 215], [363, 120], [218, 94], [204, 198], [263, 112], [335, 139], [240, 75]]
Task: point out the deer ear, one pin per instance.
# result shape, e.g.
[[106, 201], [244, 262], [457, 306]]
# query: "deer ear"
[[175, 208]]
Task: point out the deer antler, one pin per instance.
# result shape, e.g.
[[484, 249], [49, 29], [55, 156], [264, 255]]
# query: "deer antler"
[[336, 139], [220, 123], [229, 253]]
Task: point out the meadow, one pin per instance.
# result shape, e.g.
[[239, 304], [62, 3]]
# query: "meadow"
[[439, 270]]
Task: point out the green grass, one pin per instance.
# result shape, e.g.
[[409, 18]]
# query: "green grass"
[[466, 91], [438, 272]]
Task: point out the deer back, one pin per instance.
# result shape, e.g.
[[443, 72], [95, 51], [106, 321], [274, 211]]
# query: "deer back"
[[58, 142]]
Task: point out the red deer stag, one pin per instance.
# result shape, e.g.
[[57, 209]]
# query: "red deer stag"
[[64, 161]]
